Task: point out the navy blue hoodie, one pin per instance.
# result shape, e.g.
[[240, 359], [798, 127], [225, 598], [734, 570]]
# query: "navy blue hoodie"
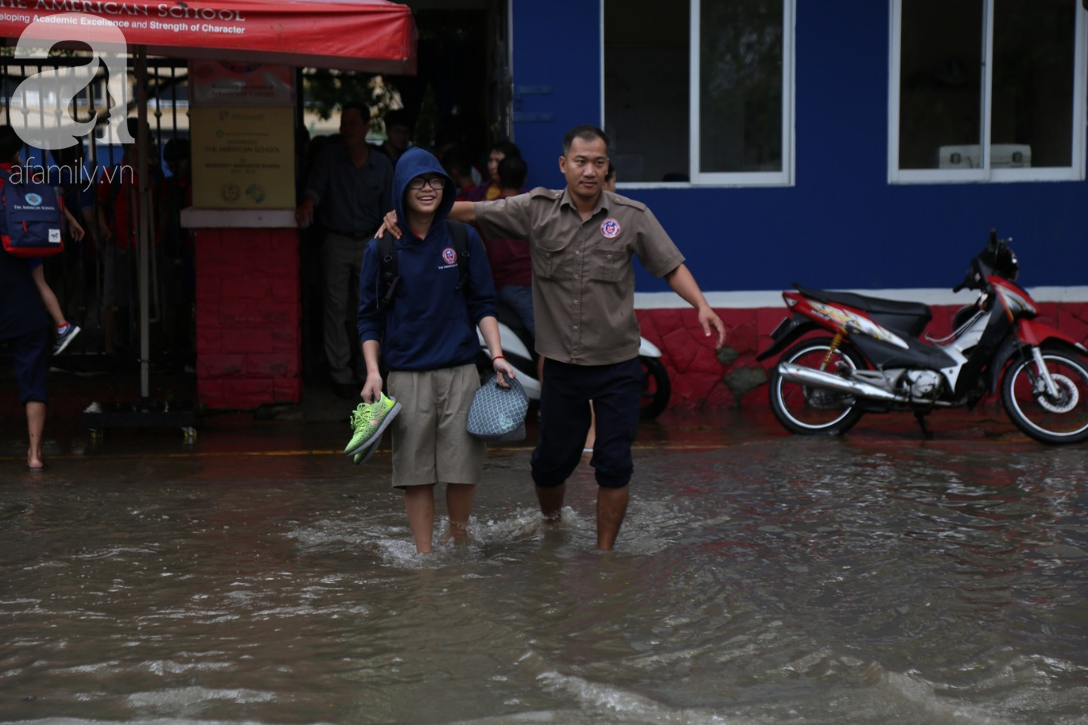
[[430, 324]]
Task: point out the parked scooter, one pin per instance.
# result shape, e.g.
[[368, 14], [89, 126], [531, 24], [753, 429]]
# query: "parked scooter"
[[519, 350], [876, 361]]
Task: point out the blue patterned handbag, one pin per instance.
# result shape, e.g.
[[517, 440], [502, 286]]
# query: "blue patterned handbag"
[[497, 414]]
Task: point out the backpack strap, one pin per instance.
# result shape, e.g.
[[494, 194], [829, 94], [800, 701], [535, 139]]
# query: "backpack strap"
[[388, 270], [388, 262], [460, 243]]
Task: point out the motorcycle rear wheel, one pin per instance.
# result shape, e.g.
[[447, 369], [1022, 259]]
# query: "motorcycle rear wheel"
[[1054, 420], [807, 410], [656, 388]]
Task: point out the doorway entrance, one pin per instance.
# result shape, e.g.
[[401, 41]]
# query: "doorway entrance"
[[460, 96]]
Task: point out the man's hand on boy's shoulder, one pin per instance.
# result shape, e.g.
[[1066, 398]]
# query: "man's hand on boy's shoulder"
[[389, 224]]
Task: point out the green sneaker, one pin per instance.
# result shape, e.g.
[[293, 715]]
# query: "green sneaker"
[[364, 455], [369, 420]]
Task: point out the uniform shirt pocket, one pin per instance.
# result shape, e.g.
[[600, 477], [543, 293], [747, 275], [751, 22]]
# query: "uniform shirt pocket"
[[607, 264], [549, 257]]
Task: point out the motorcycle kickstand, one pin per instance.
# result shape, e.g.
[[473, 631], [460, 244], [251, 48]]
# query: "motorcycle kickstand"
[[920, 416]]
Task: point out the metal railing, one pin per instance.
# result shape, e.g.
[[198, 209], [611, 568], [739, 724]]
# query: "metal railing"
[[77, 274]]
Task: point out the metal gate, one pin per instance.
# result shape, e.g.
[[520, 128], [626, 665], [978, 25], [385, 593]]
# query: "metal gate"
[[90, 176]]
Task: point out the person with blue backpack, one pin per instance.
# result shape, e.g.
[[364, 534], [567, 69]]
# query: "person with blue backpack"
[[24, 326], [32, 223], [422, 318]]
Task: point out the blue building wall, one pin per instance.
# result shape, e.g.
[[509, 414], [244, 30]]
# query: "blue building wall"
[[841, 225]]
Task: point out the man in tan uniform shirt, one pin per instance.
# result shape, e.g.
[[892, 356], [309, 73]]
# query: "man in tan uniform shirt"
[[582, 240]]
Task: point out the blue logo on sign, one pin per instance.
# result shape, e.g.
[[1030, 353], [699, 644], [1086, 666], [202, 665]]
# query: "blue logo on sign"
[[33, 199]]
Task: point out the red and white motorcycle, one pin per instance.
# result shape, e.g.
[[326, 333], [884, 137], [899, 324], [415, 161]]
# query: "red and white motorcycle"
[[876, 358]]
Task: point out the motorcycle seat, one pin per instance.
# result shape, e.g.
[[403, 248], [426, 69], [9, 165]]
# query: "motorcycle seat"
[[909, 317]]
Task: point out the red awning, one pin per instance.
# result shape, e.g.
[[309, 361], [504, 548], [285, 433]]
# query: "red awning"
[[368, 35]]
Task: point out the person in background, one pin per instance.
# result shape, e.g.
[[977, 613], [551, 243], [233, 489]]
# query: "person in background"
[[427, 334], [349, 187], [65, 331], [491, 188], [78, 270], [398, 134], [180, 283], [24, 326], [118, 218], [458, 165], [511, 264]]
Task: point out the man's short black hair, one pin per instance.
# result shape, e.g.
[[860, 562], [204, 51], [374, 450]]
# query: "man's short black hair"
[[506, 148], [586, 133], [10, 144], [398, 117], [175, 150], [362, 108], [132, 123], [512, 172], [457, 159]]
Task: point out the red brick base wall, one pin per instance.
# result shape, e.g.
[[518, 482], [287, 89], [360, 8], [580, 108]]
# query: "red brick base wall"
[[248, 318], [704, 378]]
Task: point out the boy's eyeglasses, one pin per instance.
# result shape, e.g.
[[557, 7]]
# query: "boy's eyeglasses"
[[438, 183]]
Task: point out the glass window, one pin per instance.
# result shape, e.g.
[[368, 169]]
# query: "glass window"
[[940, 96], [986, 90], [646, 82], [1034, 56], [740, 86], [702, 93]]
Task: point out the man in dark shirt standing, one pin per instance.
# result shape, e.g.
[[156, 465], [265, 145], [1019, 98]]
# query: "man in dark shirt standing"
[[350, 188], [24, 325]]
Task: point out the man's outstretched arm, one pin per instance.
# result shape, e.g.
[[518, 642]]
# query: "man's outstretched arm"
[[684, 284], [462, 211]]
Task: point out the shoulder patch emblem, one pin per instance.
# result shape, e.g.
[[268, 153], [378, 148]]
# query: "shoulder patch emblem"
[[449, 256], [610, 228]]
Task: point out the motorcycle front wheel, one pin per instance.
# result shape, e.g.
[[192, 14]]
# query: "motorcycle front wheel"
[[1048, 418], [656, 388], [807, 410]]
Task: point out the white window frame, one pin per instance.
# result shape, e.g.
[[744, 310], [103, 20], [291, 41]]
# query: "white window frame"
[[1074, 172], [699, 178]]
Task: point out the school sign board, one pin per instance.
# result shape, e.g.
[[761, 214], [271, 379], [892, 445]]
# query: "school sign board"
[[369, 35]]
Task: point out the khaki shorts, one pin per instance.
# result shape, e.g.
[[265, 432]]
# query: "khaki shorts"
[[430, 443]]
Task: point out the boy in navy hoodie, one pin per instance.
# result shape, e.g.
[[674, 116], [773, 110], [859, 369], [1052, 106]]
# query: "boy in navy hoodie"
[[427, 334]]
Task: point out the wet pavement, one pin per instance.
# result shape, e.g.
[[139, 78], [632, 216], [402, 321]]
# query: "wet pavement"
[[257, 576]]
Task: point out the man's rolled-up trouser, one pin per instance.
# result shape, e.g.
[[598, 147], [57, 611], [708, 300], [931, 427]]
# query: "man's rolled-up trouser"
[[565, 419]]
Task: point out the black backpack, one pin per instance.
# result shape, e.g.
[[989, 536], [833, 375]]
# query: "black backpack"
[[389, 270]]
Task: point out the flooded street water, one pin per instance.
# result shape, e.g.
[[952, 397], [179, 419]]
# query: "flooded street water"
[[759, 578]]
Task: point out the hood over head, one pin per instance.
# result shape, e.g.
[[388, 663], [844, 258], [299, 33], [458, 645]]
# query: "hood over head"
[[417, 162]]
